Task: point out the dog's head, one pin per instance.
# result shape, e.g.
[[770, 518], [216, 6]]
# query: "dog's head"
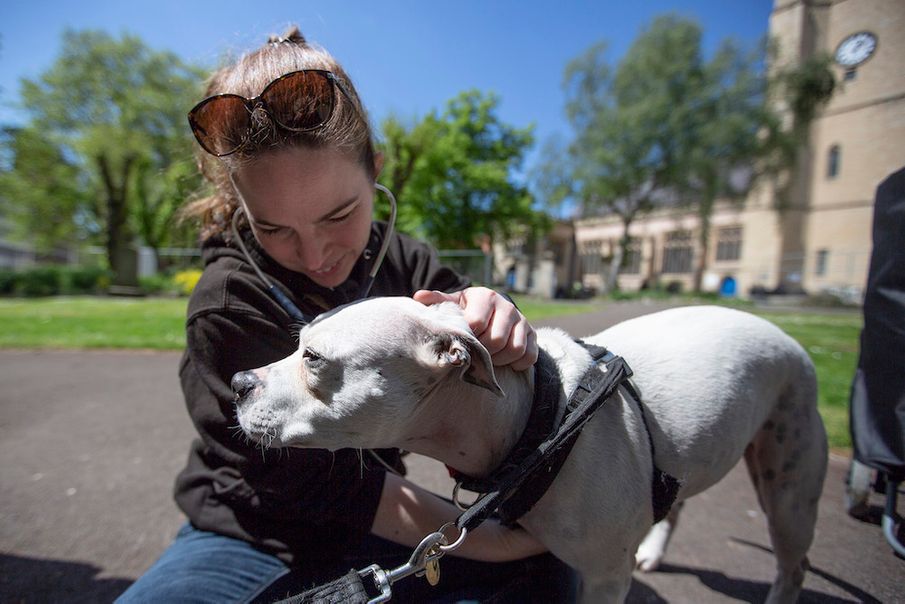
[[359, 375]]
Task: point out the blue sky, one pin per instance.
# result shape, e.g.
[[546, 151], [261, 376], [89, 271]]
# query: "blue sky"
[[406, 57]]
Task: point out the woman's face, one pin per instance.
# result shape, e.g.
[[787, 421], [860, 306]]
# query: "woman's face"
[[310, 209]]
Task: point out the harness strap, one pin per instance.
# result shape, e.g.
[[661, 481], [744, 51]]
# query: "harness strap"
[[526, 474], [664, 487], [594, 389]]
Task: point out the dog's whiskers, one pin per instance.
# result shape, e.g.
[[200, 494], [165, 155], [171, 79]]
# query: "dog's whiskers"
[[361, 463], [238, 432]]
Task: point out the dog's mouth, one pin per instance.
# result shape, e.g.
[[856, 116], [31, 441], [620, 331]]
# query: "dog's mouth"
[[260, 429], [266, 436]]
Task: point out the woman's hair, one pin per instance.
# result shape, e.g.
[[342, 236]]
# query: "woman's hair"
[[347, 130]]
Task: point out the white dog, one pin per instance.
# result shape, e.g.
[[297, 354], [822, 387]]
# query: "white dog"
[[716, 384]]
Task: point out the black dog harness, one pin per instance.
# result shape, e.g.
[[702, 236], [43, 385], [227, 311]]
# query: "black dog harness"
[[522, 479], [529, 470]]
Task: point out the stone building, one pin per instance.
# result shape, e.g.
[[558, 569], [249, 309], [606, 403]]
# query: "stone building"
[[822, 242]]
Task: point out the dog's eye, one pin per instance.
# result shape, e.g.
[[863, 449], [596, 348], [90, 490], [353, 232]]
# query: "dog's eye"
[[312, 359]]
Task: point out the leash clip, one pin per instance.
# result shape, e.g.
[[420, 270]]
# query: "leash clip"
[[429, 551]]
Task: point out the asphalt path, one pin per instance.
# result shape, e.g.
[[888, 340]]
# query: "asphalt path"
[[90, 442]]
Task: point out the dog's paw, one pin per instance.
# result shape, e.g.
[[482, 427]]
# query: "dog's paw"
[[648, 561], [652, 550]]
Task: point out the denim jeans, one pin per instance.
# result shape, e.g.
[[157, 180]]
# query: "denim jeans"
[[201, 567]]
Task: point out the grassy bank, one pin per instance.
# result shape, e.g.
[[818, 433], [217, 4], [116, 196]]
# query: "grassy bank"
[[831, 339], [93, 322]]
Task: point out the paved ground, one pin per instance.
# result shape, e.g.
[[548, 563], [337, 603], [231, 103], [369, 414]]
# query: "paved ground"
[[91, 441]]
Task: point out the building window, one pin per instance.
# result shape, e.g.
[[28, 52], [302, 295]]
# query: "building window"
[[677, 252], [832, 162], [820, 265], [590, 257], [631, 262], [729, 244]]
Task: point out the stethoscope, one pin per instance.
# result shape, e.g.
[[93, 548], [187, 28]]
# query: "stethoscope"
[[297, 315], [278, 294]]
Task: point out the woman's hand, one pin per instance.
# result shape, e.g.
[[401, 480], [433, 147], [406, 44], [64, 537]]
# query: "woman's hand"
[[496, 322]]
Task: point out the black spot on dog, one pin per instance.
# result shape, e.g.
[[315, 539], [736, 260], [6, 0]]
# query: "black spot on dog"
[[769, 425], [780, 433], [462, 453], [788, 466], [769, 475]]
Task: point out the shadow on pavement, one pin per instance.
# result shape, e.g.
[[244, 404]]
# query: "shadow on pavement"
[[756, 591], [856, 592], [30, 580], [642, 593]]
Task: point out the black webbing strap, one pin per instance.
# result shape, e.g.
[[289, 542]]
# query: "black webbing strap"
[[348, 589], [541, 423], [664, 487], [594, 388]]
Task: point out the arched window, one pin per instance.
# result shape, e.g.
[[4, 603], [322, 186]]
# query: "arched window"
[[832, 162]]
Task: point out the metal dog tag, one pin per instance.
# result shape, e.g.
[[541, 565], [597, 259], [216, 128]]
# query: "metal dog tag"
[[432, 571]]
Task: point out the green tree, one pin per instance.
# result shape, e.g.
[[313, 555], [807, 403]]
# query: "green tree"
[[453, 173], [115, 110], [615, 164], [44, 199], [668, 125]]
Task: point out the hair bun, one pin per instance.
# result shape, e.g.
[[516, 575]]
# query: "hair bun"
[[292, 35]]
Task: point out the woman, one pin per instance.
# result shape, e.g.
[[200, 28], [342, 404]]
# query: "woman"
[[286, 143]]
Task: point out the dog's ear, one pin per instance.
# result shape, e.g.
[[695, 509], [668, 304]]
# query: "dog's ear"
[[464, 351]]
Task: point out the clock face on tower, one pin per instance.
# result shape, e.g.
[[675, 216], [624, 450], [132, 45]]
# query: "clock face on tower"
[[856, 48]]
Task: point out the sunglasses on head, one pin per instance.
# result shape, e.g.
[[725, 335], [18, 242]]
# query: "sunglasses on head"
[[298, 101]]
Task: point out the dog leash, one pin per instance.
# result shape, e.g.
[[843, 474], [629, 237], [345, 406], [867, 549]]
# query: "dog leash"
[[351, 588]]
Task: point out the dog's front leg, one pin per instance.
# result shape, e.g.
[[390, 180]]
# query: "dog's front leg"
[[653, 548], [609, 582]]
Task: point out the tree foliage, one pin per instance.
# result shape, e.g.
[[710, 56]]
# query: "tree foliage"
[[453, 173], [106, 120], [669, 125], [43, 197]]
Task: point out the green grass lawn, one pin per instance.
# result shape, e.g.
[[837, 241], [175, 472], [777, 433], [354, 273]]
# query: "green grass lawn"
[[832, 341], [158, 323], [93, 322], [535, 309]]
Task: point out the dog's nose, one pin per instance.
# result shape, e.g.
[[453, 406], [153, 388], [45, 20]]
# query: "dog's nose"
[[243, 383]]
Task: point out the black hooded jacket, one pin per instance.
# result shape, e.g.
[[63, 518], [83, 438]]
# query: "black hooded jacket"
[[299, 504]]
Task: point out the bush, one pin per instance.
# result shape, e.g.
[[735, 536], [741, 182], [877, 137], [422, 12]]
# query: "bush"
[[87, 280], [674, 287], [53, 281], [7, 282], [42, 281], [186, 280], [155, 285]]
